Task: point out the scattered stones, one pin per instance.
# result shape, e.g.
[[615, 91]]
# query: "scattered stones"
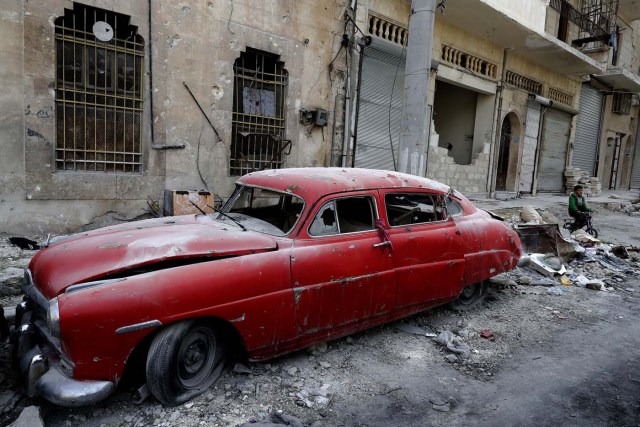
[[451, 358], [8, 399], [446, 407], [29, 417], [292, 371], [594, 286]]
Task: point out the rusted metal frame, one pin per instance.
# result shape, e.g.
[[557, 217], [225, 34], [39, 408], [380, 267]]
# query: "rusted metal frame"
[[264, 153], [121, 113]]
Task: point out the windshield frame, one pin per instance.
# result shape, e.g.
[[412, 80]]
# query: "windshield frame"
[[241, 189]]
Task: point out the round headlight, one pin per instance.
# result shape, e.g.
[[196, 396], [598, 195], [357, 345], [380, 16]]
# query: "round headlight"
[[53, 318]]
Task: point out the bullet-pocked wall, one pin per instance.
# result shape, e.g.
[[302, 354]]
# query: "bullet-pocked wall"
[[197, 46], [94, 131]]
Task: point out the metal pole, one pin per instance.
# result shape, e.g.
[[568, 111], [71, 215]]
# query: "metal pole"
[[358, 88], [414, 137]]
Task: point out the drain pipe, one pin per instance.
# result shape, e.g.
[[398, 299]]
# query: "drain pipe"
[[494, 148], [150, 44], [346, 136]]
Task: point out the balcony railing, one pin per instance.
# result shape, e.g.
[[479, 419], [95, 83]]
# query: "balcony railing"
[[524, 83], [472, 63]]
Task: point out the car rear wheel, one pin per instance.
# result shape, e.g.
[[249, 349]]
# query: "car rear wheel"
[[471, 296], [184, 360]]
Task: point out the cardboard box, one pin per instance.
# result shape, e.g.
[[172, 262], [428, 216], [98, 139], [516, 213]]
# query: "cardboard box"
[[182, 202]]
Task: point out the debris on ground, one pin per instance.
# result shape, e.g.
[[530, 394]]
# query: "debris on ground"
[[547, 264], [275, 419], [24, 243], [413, 329], [29, 417], [454, 343], [485, 333]]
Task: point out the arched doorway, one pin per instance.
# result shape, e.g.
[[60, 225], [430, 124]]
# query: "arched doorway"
[[508, 153], [503, 156]]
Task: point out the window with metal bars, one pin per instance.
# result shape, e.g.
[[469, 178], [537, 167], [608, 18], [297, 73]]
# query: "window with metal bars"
[[258, 123], [621, 103], [99, 96]]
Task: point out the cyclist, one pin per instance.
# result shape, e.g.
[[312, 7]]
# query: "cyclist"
[[578, 208]]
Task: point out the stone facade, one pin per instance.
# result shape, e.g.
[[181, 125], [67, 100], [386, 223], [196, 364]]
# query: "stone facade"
[[189, 53]]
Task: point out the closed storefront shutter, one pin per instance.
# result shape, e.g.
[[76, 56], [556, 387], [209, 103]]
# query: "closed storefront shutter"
[[380, 105], [553, 150], [635, 174], [588, 130], [532, 125]]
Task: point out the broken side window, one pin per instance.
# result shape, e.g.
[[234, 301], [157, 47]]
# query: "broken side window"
[[344, 215], [413, 208]]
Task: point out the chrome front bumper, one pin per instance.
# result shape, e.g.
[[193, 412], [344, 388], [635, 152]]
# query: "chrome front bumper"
[[42, 369]]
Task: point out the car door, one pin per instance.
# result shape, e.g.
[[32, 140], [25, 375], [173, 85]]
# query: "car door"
[[428, 253], [342, 272]]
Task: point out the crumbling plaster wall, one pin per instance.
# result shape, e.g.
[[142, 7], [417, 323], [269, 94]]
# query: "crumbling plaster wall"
[[193, 42], [36, 198], [197, 43], [11, 111]]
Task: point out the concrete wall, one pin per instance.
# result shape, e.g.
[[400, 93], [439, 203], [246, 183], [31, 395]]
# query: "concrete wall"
[[193, 43], [530, 13]]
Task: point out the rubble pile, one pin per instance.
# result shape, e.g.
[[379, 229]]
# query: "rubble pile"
[[569, 259], [574, 176]]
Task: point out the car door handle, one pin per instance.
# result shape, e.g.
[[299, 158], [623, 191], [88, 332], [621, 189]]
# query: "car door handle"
[[386, 243]]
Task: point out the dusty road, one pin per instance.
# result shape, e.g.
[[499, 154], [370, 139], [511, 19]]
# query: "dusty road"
[[568, 357]]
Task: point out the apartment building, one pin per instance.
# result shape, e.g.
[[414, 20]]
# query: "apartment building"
[[107, 105]]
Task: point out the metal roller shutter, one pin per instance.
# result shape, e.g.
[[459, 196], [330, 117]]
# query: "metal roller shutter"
[[635, 173], [553, 150], [380, 116], [532, 125], [588, 130]]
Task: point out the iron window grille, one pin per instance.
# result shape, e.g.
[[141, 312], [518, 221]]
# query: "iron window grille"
[[621, 103], [99, 96], [258, 122]]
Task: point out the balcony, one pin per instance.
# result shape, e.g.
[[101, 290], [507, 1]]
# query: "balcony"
[[519, 26], [621, 74], [629, 9], [620, 78]]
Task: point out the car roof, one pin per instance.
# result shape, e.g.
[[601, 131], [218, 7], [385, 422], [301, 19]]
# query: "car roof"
[[312, 183]]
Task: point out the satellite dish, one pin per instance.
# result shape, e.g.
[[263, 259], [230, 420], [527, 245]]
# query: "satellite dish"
[[102, 31]]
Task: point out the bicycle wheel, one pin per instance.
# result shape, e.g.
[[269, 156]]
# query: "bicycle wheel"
[[593, 232]]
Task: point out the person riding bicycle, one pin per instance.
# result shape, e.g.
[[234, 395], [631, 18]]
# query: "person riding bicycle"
[[578, 208]]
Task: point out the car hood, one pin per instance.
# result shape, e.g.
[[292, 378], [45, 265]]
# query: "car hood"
[[110, 251]]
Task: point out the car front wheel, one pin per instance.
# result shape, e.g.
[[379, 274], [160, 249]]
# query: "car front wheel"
[[184, 360]]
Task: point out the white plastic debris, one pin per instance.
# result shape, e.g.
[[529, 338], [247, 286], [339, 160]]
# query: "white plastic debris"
[[530, 215], [548, 265], [584, 237]]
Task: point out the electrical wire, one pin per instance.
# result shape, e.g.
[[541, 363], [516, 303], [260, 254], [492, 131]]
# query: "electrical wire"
[[229, 21]]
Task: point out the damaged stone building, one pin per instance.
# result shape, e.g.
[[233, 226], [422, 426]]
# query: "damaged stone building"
[[109, 105]]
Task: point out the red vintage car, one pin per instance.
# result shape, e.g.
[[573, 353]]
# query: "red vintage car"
[[294, 257]]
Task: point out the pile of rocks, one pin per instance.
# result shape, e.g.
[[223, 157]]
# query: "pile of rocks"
[[574, 176]]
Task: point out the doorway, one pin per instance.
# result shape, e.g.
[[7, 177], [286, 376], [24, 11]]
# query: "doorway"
[[503, 157]]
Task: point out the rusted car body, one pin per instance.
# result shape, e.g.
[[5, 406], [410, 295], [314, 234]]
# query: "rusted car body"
[[295, 257]]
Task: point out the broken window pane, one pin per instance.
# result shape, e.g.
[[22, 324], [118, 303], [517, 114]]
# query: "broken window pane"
[[412, 208]]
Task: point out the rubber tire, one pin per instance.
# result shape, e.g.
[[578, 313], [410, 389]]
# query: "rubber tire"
[[593, 232], [166, 371], [470, 296]]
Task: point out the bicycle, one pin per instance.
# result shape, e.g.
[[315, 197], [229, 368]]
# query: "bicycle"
[[588, 227]]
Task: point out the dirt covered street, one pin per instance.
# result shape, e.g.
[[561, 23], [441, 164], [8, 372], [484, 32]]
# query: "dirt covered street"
[[536, 352]]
